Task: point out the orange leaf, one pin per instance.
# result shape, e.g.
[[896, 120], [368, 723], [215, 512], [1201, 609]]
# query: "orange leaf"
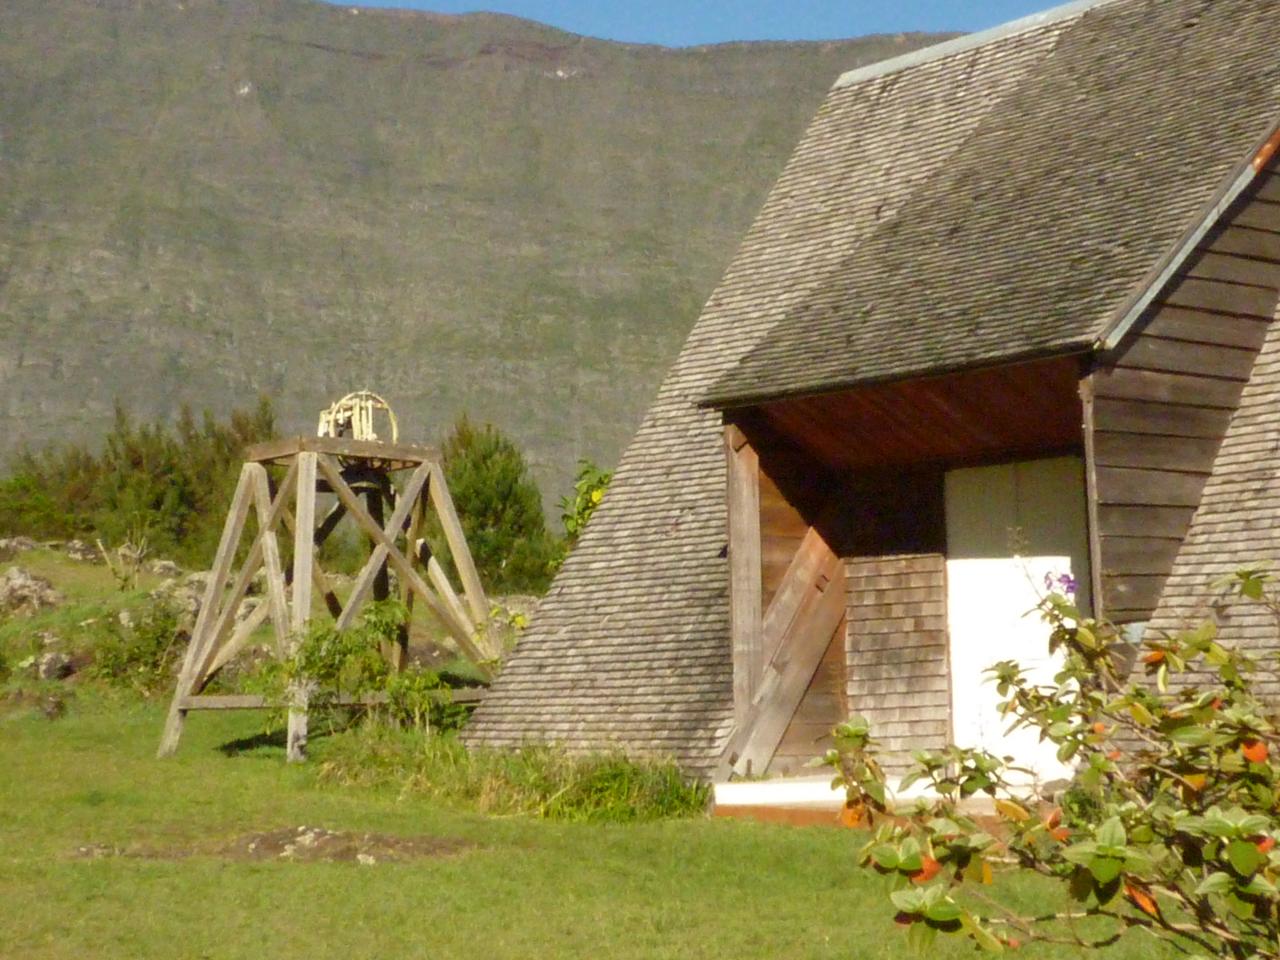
[[1053, 819], [1265, 844], [1196, 781], [853, 815], [928, 870], [1154, 657], [1255, 751], [1141, 899], [1061, 834], [987, 877]]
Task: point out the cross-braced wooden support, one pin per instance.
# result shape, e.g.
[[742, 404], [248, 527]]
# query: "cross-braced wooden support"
[[358, 475]]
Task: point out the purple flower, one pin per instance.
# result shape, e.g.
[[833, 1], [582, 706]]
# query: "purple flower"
[[1062, 583]]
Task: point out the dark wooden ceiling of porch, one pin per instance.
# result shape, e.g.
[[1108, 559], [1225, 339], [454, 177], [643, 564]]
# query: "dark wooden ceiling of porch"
[[1021, 410]]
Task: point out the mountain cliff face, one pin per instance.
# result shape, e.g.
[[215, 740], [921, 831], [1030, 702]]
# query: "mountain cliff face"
[[202, 200]]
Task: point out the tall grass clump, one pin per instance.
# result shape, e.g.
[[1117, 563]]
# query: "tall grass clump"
[[538, 781]]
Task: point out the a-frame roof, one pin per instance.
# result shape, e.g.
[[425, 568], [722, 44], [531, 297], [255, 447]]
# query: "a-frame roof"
[[631, 645], [1033, 237]]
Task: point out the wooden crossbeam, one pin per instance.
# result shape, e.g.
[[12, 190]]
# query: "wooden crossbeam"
[[461, 632], [244, 630], [378, 558], [458, 549], [230, 605], [318, 578], [798, 652]]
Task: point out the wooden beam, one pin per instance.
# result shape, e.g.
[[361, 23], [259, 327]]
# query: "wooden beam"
[[240, 587], [277, 602], [303, 558], [812, 556], [458, 549], [395, 453], [244, 630], [754, 742], [746, 627], [378, 555], [239, 701], [1090, 410], [230, 539], [462, 634], [318, 579]]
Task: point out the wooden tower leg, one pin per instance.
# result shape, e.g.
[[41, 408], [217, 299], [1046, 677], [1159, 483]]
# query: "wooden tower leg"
[[303, 557], [207, 616]]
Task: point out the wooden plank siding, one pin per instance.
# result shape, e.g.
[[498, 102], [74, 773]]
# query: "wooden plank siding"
[[899, 670], [782, 529], [1158, 408]]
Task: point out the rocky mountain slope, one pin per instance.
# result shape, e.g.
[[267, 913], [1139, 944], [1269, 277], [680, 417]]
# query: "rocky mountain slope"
[[201, 200]]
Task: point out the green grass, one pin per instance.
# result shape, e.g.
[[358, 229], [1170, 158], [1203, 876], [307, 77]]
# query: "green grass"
[[688, 888], [524, 887]]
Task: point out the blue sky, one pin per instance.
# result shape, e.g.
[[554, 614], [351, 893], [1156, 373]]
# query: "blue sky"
[[689, 22]]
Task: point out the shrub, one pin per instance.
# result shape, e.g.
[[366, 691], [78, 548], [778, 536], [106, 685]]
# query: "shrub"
[[1171, 826], [537, 781], [169, 485], [143, 655], [500, 510]]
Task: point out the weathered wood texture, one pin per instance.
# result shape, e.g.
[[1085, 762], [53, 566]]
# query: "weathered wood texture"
[[745, 605], [391, 456], [797, 650], [1159, 408], [899, 674], [782, 529], [1002, 412], [822, 707]]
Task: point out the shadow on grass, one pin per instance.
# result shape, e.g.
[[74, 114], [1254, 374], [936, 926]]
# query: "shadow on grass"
[[273, 742]]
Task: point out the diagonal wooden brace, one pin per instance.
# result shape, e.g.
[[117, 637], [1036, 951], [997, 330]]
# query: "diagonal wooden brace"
[[462, 633]]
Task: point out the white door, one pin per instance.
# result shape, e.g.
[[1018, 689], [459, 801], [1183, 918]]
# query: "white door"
[[1008, 528]]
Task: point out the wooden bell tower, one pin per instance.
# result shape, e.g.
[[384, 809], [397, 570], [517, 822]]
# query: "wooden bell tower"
[[352, 478]]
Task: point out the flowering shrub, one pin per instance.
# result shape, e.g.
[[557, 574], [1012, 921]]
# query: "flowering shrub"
[[1170, 827]]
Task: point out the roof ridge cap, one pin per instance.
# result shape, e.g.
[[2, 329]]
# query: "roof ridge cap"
[[970, 41]]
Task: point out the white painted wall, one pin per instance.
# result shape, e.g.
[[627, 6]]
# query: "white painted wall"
[[1008, 526]]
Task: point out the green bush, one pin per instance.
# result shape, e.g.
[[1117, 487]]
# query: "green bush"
[[169, 484], [143, 655], [537, 781], [500, 509], [1171, 827]]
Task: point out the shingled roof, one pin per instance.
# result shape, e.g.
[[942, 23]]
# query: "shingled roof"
[[933, 215], [1034, 235]]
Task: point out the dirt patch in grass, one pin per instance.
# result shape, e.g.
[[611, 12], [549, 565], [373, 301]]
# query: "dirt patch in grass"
[[300, 845]]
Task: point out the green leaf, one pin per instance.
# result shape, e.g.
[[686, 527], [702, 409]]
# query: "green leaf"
[[1244, 857], [1218, 882], [944, 911], [908, 901], [1105, 869], [981, 936], [1111, 833], [885, 856], [1191, 735]]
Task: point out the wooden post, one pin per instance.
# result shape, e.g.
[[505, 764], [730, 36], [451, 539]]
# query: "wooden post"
[[231, 531], [1091, 497], [303, 554], [745, 577]]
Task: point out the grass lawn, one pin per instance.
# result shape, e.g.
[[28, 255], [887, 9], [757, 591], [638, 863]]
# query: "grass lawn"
[[165, 886]]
